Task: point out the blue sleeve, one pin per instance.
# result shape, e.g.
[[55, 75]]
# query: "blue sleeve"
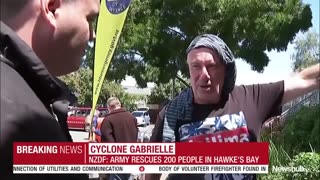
[[98, 132], [95, 121], [95, 124]]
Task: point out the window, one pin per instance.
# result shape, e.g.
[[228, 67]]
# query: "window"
[[137, 114]]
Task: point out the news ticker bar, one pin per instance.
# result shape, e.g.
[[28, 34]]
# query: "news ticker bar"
[[138, 169], [140, 153]]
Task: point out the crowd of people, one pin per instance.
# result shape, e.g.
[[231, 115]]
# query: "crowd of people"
[[41, 40]]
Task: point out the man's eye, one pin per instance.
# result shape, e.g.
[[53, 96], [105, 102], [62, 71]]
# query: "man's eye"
[[212, 66], [195, 66]]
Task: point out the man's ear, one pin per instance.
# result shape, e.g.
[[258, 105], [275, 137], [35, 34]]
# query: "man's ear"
[[48, 10]]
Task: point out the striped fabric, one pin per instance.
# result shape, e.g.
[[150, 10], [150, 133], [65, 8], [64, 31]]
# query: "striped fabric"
[[180, 108], [214, 43]]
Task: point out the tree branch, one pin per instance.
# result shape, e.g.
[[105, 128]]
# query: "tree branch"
[[183, 81], [179, 33]]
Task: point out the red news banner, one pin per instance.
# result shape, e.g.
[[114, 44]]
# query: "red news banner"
[[193, 158]]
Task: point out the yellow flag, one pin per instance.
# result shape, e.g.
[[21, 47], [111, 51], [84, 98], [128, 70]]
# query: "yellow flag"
[[110, 22]]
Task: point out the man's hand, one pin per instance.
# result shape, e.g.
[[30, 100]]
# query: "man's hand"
[[302, 83]]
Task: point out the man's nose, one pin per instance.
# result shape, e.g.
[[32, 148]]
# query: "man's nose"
[[205, 74]]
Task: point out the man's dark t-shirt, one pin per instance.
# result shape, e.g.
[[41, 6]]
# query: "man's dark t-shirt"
[[239, 119]]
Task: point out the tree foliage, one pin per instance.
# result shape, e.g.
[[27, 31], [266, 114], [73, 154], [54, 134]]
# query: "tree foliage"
[[305, 164], [164, 91], [297, 144], [306, 51], [156, 33], [81, 83], [302, 131]]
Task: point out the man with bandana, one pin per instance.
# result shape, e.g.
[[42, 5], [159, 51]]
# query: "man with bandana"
[[213, 108]]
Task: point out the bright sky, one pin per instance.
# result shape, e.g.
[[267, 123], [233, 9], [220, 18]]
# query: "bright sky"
[[278, 68]]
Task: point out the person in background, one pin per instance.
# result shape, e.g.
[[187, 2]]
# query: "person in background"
[[213, 109], [119, 126], [96, 126], [40, 40]]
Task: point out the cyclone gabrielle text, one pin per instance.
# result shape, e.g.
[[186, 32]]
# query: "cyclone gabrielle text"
[[133, 148]]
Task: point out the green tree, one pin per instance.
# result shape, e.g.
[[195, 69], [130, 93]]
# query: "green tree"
[[81, 83], [164, 91], [156, 33], [306, 51], [301, 131], [306, 54]]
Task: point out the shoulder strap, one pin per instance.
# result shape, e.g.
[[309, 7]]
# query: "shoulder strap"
[[180, 108]]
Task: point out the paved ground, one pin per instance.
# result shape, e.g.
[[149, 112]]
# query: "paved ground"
[[81, 136]]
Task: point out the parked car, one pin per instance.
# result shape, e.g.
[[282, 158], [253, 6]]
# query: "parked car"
[[143, 109], [145, 134], [79, 118], [143, 118]]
